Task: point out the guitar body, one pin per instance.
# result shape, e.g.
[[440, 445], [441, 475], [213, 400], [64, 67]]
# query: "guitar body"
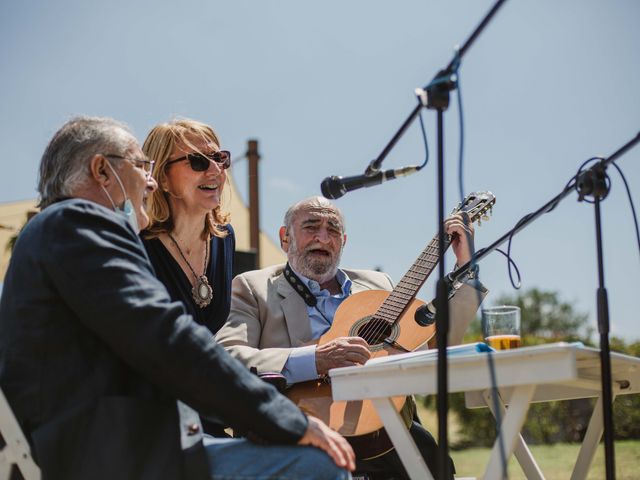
[[359, 418], [353, 319]]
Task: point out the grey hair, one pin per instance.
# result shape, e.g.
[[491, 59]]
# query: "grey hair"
[[317, 202], [65, 163]]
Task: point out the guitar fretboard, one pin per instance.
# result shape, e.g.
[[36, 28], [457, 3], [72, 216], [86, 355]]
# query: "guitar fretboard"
[[407, 288], [475, 205]]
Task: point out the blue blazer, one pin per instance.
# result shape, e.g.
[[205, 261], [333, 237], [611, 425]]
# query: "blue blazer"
[[94, 357]]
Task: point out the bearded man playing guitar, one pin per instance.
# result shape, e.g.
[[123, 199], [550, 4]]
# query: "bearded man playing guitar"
[[278, 312]]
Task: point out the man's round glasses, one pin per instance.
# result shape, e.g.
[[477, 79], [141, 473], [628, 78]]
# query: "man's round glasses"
[[142, 163], [200, 162]]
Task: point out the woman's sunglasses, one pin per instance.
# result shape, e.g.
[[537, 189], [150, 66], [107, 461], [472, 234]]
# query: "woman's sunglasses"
[[200, 162]]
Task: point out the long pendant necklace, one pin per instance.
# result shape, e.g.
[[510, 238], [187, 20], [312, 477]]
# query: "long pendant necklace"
[[201, 292]]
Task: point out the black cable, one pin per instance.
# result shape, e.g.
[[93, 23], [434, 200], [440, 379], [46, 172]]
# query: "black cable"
[[508, 254], [461, 147], [573, 183], [510, 262], [495, 394], [495, 400], [424, 139], [633, 210]]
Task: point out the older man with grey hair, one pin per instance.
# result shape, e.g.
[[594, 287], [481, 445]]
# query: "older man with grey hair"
[[103, 371], [278, 312]]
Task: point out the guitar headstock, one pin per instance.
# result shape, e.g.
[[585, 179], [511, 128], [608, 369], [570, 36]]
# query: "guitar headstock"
[[477, 205]]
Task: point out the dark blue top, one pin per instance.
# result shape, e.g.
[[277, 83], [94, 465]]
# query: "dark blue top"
[[219, 274]]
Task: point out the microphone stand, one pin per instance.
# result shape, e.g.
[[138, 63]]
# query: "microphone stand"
[[435, 96], [592, 182]]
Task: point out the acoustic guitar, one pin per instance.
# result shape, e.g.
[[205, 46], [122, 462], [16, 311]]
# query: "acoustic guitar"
[[386, 320]]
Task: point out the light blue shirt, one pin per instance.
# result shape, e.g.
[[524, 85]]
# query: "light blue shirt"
[[301, 364]]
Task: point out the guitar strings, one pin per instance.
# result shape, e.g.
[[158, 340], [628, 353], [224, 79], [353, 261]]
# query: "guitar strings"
[[427, 260], [378, 323]]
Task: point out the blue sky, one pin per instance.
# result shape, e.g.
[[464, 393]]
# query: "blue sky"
[[324, 85]]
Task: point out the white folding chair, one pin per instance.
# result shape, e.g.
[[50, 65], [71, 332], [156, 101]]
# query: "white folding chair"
[[16, 450]]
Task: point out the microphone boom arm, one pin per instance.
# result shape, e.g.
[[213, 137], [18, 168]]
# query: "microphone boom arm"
[[528, 219]]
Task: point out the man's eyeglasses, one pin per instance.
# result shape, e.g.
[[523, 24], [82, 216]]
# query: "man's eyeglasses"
[[200, 162], [142, 163]]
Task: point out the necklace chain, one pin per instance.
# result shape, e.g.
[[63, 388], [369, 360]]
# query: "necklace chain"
[[201, 292]]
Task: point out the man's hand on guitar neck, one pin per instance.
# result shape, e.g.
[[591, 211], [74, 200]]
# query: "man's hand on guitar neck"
[[460, 229], [341, 352]]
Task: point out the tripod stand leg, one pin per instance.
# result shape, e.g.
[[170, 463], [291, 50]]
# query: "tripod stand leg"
[[590, 443], [402, 440], [521, 452], [509, 430]]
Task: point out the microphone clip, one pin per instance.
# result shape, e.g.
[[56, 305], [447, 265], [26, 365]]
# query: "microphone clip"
[[373, 168]]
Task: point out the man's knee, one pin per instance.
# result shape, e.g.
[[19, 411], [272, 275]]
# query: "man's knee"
[[315, 463]]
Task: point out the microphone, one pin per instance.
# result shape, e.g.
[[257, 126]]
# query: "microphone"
[[335, 187]]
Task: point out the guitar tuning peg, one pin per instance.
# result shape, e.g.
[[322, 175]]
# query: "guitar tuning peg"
[[485, 217], [479, 221]]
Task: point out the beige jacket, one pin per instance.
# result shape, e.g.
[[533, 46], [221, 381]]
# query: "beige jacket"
[[268, 317]]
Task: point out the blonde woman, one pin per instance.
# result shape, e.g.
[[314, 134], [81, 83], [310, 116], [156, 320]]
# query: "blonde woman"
[[189, 240]]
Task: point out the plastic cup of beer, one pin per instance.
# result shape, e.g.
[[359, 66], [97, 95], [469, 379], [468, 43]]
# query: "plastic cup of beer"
[[501, 326]]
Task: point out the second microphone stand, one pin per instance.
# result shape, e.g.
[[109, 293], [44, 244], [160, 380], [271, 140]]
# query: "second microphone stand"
[[592, 182]]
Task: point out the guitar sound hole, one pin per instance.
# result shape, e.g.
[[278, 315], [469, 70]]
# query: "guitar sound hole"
[[375, 331]]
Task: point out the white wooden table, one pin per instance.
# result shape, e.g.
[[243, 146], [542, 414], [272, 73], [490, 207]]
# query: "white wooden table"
[[543, 373]]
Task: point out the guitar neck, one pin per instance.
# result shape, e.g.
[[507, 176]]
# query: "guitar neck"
[[412, 281]]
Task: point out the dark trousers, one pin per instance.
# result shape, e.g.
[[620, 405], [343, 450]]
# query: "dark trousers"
[[389, 466]]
